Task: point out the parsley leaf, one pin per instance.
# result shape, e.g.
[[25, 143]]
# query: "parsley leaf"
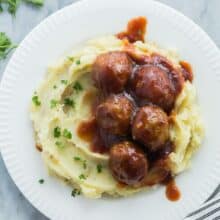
[[36, 2], [1, 9], [99, 168], [12, 6], [82, 177], [75, 192], [53, 103], [63, 81], [69, 102], [5, 45], [55, 87], [77, 158], [57, 132], [78, 87], [41, 181], [70, 59], [84, 164], [59, 144], [67, 134], [36, 101], [78, 62]]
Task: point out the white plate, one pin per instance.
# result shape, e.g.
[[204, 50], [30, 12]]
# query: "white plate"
[[60, 33]]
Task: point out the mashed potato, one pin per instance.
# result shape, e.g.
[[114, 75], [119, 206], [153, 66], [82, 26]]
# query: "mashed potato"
[[64, 99]]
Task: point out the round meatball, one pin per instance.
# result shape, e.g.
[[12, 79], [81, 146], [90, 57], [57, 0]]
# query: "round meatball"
[[114, 114], [128, 163], [152, 84], [150, 127], [111, 71]]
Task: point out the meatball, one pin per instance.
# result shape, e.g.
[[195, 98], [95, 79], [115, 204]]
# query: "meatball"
[[158, 172], [114, 114], [128, 163], [152, 84], [111, 71], [150, 127]]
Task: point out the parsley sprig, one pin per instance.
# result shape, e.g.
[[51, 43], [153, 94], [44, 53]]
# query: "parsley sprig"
[[75, 192], [36, 101], [12, 5], [77, 87], [84, 162], [6, 46]]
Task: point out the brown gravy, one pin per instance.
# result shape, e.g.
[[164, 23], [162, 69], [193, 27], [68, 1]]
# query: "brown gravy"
[[88, 131], [136, 30], [172, 191]]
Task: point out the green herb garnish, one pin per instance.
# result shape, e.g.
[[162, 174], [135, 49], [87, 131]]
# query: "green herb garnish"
[[41, 181], [75, 192], [83, 161], [78, 87], [5, 45], [53, 103], [78, 62], [82, 177], [36, 2], [69, 102], [63, 81], [77, 158], [57, 132], [1, 9], [59, 144], [71, 59], [99, 168], [54, 87], [12, 6], [67, 134], [36, 101], [84, 164]]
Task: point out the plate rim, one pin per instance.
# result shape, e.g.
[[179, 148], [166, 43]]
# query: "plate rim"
[[3, 89]]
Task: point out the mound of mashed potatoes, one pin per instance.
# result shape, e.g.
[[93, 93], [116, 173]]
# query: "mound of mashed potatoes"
[[64, 99]]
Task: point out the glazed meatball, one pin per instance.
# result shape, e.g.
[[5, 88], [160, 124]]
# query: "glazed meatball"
[[158, 172], [128, 163], [150, 127], [114, 114], [111, 71], [152, 84]]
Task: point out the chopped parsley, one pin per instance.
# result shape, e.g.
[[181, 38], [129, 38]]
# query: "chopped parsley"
[[69, 102], [59, 144], [71, 59], [63, 81], [12, 6], [77, 158], [78, 62], [57, 132], [55, 87], [67, 134], [84, 163], [41, 181], [99, 168], [36, 101], [77, 87], [75, 192], [82, 177], [5, 44], [36, 2], [53, 103]]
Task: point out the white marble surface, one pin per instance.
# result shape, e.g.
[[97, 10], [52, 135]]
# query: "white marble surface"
[[13, 206]]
